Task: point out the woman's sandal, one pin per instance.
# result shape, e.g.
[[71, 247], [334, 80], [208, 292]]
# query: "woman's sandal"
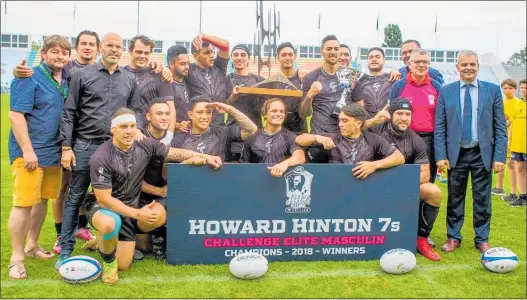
[[39, 253], [19, 265]]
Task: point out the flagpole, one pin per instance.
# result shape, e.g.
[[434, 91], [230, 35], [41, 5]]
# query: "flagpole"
[[377, 28], [436, 32], [137, 17], [200, 13], [5, 16], [497, 36], [319, 27], [74, 9]]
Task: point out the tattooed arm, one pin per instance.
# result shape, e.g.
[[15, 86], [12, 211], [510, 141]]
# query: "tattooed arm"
[[248, 128], [186, 156]]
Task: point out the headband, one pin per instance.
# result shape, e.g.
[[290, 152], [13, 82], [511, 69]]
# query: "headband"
[[122, 119]]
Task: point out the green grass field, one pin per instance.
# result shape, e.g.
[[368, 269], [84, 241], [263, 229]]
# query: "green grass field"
[[457, 275]]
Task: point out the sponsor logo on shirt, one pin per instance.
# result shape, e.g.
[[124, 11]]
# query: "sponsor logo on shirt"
[[333, 86], [431, 99], [201, 146], [268, 146], [208, 77], [298, 190]]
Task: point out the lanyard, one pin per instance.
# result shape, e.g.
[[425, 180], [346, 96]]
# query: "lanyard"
[[62, 90]]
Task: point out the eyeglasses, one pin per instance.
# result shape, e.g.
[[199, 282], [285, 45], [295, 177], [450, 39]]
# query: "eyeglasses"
[[421, 62]]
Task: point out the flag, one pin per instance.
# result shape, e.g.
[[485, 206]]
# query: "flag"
[[435, 28], [319, 21], [377, 26]]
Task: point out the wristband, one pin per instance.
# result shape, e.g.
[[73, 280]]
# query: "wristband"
[[66, 149], [222, 48]]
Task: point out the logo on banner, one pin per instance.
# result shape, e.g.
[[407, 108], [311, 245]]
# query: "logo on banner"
[[298, 190]]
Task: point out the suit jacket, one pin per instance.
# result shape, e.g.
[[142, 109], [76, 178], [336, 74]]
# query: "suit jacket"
[[492, 132]]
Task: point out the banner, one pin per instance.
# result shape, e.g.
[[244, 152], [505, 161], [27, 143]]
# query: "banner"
[[313, 212]]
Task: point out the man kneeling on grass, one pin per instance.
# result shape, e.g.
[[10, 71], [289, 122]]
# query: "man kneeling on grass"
[[117, 169]]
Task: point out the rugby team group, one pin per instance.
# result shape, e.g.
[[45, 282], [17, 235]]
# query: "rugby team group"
[[95, 136]]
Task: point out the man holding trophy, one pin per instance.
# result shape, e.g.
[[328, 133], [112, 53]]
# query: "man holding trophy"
[[326, 91]]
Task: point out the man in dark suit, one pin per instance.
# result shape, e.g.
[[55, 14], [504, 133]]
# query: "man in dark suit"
[[470, 137]]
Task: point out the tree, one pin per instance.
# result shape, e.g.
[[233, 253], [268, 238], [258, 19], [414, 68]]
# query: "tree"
[[35, 45], [392, 36], [518, 58]]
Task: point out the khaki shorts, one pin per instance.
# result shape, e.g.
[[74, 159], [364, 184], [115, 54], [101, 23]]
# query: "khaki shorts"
[[31, 186]]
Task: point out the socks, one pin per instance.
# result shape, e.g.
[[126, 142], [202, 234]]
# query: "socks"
[[427, 217], [58, 228], [109, 258], [83, 221]]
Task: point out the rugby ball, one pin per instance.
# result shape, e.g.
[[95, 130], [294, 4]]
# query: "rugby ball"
[[248, 265], [499, 260], [80, 269], [398, 261]]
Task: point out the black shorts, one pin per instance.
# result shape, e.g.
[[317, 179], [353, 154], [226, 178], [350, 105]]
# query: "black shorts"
[[128, 229], [517, 156], [317, 155], [145, 201]]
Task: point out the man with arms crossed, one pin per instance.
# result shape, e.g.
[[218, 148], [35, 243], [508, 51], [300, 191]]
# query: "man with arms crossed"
[[367, 150], [85, 124], [35, 110], [207, 76], [117, 187], [207, 139], [273, 144], [398, 133], [470, 137]]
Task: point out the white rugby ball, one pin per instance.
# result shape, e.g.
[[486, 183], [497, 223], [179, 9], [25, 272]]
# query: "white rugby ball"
[[80, 269], [398, 261], [248, 265], [499, 260]]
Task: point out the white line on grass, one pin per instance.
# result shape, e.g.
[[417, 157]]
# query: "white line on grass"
[[271, 275]]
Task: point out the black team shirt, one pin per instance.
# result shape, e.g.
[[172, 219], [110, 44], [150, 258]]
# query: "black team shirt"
[[367, 147], [271, 149], [209, 82], [409, 143], [150, 86], [213, 142], [123, 172], [323, 103]]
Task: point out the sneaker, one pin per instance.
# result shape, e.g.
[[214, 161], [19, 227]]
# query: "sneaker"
[[110, 274], [431, 242], [426, 250], [91, 245], [84, 233], [138, 255], [519, 202], [497, 192], [56, 247], [60, 260], [509, 198], [160, 252]]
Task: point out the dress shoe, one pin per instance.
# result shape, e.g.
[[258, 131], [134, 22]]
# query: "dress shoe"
[[451, 245], [483, 247]]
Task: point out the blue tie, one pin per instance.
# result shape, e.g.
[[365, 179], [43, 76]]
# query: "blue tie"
[[466, 136]]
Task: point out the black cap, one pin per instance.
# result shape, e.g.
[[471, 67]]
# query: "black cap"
[[242, 47], [399, 103]]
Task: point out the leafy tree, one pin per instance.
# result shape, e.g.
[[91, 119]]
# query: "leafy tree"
[[518, 58], [392, 36]]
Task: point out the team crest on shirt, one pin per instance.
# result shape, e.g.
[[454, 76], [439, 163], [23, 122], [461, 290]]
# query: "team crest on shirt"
[[208, 77], [431, 99], [186, 96], [201, 146], [376, 87], [298, 190], [333, 86], [268, 146], [101, 174]]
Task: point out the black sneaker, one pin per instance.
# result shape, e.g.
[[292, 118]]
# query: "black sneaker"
[[138, 255], [497, 192], [520, 202], [509, 198], [160, 252]]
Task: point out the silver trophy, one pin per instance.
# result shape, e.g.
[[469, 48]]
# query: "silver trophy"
[[346, 84]]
